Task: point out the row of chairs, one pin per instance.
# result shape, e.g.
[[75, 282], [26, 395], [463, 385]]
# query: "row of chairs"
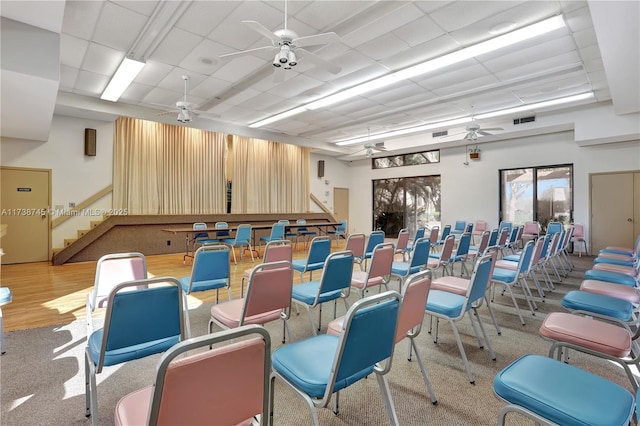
[[602, 320]]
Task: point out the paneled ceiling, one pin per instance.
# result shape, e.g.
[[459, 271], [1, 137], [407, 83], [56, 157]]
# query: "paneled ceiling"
[[374, 38]]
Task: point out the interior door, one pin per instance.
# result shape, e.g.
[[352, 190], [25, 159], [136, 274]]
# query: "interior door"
[[24, 203], [341, 203], [612, 210]]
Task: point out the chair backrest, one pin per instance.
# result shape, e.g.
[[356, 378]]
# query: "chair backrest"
[[493, 239], [375, 238], [421, 248], [403, 240], [243, 234], [503, 237], [301, 222], [210, 263], [537, 250], [367, 338], [355, 244], [319, 250], [419, 234], [460, 226], [578, 230], [480, 226], [531, 228], [414, 298], [484, 242], [116, 268], [225, 227], [343, 226], [447, 248], [200, 226], [434, 234], [277, 231], [337, 272], [525, 258], [504, 224], [480, 277], [278, 250], [515, 233], [553, 227], [464, 244], [545, 247], [445, 232], [469, 228], [381, 261], [269, 289], [141, 315], [183, 391]]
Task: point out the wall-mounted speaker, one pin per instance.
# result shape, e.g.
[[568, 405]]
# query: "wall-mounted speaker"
[[90, 142], [320, 168]]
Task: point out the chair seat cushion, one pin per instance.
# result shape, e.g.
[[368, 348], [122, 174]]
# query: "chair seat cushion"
[[202, 285], [5, 295], [230, 313], [117, 356], [503, 275], [588, 333], [614, 261], [620, 269], [306, 293], [620, 291], [617, 250], [594, 274], [335, 326], [307, 365], [562, 393], [512, 258], [507, 264], [604, 305], [444, 303], [451, 284], [359, 280]]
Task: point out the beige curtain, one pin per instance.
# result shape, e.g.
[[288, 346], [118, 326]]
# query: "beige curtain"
[[166, 169], [269, 177]]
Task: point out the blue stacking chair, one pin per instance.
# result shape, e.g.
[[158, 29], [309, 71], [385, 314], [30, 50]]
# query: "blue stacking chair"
[[459, 227], [419, 234], [210, 271], [549, 391], [334, 284], [340, 231], [318, 252], [446, 230], [242, 240], [304, 232], [277, 233], [139, 322], [403, 270], [375, 238], [461, 254], [452, 307], [505, 224], [320, 366], [554, 227]]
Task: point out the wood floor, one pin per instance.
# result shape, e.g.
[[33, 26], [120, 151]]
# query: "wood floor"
[[45, 295]]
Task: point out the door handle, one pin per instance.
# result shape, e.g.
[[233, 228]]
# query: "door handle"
[[629, 220]]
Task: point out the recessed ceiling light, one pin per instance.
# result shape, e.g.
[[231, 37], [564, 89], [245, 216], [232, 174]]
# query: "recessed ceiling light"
[[206, 61], [501, 28]]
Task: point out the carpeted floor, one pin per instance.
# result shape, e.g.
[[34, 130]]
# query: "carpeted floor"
[[42, 374]]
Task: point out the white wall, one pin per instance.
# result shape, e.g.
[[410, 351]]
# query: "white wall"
[[336, 175], [75, 177], [470, 192]]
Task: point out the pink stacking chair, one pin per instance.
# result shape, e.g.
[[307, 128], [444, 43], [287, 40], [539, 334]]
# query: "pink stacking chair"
[[228, 385], [579, 238], [356, 244], [531, 231], [402, 243], [478, 229], [274, 251], [268, 299], [111, 270], [413, 300], [444, 259], [379, 272]]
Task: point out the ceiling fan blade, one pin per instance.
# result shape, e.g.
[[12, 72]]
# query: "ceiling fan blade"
[[483, 133], [247, 52], [261, 29], [317, 39], [318, 61]]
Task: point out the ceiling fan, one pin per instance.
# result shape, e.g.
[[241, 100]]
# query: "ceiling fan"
[[371, 148], [185, 109], [474, 131], [289, 47]]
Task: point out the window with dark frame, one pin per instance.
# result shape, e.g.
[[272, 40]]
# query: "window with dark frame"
[[412, 159]]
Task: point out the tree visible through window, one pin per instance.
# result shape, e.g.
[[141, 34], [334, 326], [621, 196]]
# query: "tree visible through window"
[[409, 202]]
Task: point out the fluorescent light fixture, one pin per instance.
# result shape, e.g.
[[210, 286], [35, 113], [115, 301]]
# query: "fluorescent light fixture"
[[543, 104], [463, 120], [127, 71], [278, 117], [490, 45]]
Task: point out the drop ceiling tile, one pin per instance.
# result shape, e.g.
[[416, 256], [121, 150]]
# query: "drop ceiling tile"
[[202, 17], [239, 68], [516, 57], [383, 46], [233, 33], [68, 76], [80, 18], [456, 15], [144, 7], [102, 60], [90, 83], [419, 31], [204, 57], [318, 15], [136, 93], [175, 46], [118, 27], [538, 66], [153, 73], [72, 50]]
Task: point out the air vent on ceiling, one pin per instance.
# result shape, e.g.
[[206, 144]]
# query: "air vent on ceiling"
[[440, 134], [524, 120]]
